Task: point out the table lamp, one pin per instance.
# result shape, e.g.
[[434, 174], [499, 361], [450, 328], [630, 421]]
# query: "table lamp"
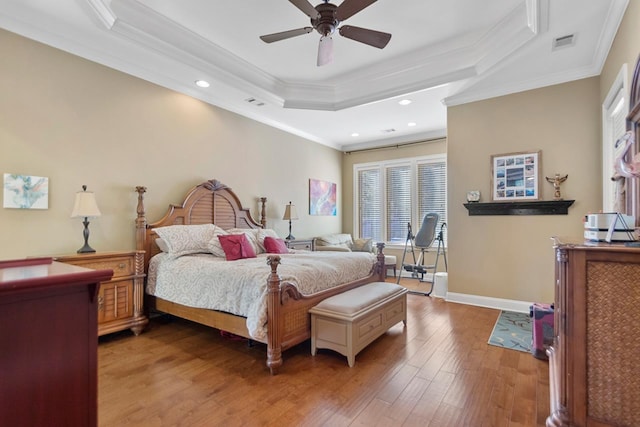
[[85, 207], [290, 213]]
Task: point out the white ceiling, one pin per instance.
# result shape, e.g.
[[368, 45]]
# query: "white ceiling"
[[441, 53]]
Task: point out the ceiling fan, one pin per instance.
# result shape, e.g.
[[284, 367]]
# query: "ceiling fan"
[[325, 19]]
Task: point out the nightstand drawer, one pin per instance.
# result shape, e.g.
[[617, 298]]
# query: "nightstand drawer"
[[300, 244], [121, 265]]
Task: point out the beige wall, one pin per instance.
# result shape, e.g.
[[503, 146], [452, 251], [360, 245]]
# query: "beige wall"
[[349, 159], [511, 257], [625, 49], [78, 122]]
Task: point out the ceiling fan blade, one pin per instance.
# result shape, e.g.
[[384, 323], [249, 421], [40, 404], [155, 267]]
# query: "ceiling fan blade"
[[306, 7], [349, 8], [275, 37], [325, 51], [363, 35]]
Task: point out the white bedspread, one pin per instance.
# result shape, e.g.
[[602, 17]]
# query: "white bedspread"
[[240, 287]]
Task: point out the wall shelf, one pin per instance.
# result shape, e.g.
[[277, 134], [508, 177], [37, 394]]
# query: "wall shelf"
[[535, 207]]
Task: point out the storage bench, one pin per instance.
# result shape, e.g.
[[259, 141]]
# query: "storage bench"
[[350, 321]]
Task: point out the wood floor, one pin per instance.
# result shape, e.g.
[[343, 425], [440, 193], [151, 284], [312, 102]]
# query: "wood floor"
[[438, 371]]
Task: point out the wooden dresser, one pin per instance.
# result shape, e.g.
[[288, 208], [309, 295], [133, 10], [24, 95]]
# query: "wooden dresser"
[[594, 363], [48, 343], [120, 300]]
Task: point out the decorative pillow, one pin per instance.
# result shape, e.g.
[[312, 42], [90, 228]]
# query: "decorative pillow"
[[214, 245], [252, 236], [274, 245], [362, 245], [236, 246], [262, 233], [187, 238]]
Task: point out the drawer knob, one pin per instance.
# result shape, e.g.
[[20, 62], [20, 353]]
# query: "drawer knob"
[[122, 265]]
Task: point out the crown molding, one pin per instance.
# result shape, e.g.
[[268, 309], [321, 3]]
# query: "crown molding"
[[453, 60]]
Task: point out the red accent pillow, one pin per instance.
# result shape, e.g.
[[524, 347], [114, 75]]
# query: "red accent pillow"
[[236, 246], [275, 246]]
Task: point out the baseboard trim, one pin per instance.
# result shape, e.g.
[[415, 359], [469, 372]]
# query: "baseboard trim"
[[497, 303]]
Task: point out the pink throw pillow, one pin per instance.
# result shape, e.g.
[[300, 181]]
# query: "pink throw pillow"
[[273, 245], [236, 246]]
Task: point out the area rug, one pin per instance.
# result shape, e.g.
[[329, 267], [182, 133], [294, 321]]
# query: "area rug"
[[512, 331]]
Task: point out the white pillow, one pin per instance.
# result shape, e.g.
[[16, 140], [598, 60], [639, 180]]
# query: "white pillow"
[[214, 245], [262, 233], [187, 238], [162, 245]]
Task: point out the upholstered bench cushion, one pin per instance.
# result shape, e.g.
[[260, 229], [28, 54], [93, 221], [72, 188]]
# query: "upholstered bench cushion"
[[358, 299]]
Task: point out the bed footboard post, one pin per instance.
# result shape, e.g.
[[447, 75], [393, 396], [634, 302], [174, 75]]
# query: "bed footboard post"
[[380, 268], [141, 220], [274, 321]]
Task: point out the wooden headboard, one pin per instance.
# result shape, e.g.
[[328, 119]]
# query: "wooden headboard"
[[211, 202]]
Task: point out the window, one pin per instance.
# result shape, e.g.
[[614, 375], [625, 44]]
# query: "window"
[[614, 113], [390, 195]]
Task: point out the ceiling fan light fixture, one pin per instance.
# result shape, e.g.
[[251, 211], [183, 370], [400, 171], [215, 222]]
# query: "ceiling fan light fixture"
[[325, 51], [325, 19]]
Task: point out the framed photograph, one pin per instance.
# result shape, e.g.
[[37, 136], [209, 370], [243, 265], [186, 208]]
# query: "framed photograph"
[[515, 176], [322, 197], [25, 191]]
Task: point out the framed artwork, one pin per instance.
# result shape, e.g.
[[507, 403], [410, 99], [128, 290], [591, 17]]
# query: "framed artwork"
[[322, 197], [25, 192], [515, 176]]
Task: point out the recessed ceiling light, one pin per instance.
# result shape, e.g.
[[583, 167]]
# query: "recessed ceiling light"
[[411, 124], [405, 102], [202, 83], [355, 134]]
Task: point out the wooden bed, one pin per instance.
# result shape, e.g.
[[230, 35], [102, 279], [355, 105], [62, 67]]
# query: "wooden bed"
[[288, 321]]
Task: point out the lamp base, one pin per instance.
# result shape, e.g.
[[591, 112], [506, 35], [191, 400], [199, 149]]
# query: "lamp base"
[[86, 249], [290, 237]]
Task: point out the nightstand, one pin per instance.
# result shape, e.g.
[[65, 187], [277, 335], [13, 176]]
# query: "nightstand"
[[120, 300], [304, 244]]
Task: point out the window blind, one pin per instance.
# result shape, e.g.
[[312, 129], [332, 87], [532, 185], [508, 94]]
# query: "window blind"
[[432, 191], [398, 202], [370, 204]]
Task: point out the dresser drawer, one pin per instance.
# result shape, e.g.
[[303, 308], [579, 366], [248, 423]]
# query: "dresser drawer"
[[121, 265]]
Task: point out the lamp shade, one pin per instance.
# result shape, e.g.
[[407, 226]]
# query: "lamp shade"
[[290, 212], [85, 204]]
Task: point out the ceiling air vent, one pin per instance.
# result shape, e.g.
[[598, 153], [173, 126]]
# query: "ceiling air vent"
[[564, 41], [388, 130], [255, 102]]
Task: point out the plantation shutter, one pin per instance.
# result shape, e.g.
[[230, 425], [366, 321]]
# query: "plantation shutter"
[[370, 204], [398, 202], [432, 192]]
